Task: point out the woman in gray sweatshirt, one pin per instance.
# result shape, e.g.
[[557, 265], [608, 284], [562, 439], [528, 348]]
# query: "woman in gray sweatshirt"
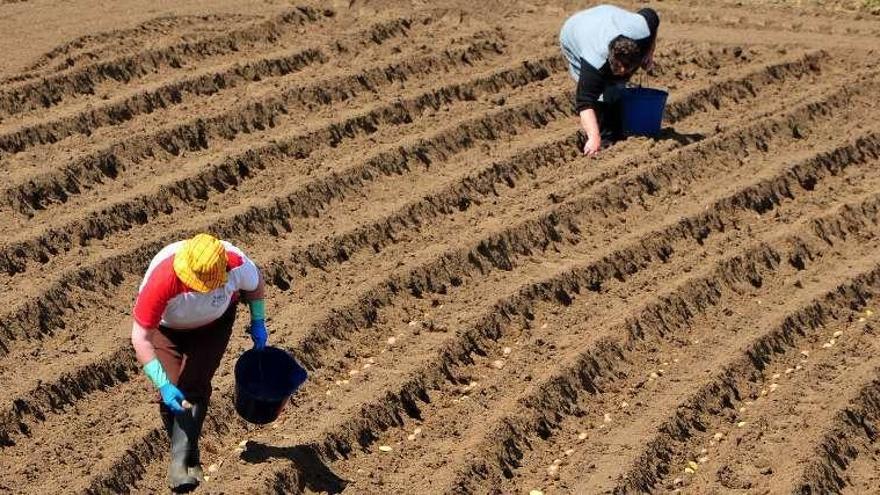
[[604, 46]]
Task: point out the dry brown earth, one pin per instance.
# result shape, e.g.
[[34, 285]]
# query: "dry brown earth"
[[692, 314]]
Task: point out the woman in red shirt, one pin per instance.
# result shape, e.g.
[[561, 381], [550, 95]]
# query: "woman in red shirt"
[[183, 319]]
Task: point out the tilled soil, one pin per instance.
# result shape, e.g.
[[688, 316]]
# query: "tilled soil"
[[695, 313]]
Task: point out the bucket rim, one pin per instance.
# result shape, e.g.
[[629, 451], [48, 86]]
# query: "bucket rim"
[[643, 91], [252, 353]]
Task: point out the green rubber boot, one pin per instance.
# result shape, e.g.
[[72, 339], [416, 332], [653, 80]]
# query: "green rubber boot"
[[180, 428], [199, 411]]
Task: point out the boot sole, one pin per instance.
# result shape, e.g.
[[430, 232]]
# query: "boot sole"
[[184, 487], [197, 473]]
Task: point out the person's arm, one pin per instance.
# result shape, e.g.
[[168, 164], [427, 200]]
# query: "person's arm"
[[141, 340], [142, 343], [590, 124], [589, 88], [258, 293], [653, 21], [147, 314], [648, 61], [256, 302]]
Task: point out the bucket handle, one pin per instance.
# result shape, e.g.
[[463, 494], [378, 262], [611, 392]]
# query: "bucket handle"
[[641, 82]]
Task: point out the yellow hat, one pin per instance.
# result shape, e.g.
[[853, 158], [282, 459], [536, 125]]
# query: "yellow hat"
[[201, 263]]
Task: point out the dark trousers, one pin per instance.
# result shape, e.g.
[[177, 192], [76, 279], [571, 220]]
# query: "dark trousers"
[[191, 357], [610, 120], [609, 114]]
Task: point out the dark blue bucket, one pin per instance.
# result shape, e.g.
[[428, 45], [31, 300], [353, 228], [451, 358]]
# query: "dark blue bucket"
[[264, 381], [642, 110]]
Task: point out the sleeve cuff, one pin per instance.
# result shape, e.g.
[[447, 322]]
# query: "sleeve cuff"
[[584, 106], [258, 309], [156, 373], [140, 321]]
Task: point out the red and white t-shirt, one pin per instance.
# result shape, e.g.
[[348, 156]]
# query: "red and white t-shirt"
[[164, 299]]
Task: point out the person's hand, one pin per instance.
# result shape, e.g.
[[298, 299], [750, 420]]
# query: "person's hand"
[[259, 334], [648, 63], [173, 398], [591, 147]]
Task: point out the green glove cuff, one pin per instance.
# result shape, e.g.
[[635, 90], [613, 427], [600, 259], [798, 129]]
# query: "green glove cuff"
[[156, 373], [258, 309]]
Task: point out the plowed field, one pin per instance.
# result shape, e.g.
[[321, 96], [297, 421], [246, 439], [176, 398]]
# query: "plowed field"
[[696, 313]]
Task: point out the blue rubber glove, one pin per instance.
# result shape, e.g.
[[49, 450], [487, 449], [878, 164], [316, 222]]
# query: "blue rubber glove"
[[172, 397], [259, 334]]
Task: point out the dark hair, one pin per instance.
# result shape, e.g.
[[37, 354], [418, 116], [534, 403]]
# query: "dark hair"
[[624, 53], [652, 19]]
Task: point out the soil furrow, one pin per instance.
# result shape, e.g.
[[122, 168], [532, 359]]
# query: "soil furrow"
[[63, 461], [92, 47], [775, 409], [481, 308], [84, 80], [435, 153], [314, 196], [850, 444], [111, 164], [557, 412], [737, 90], [462, 429], [88, 120], [378, 415], [37, 403], [798, 23], [720, 398], [350, 322], [113, 43], [495, 251], [636, 406], [141, 209], [336, 250], [149, 101], [207, 84], [66, 390], [143, 252], [725, 329], [123, 215], [560, 151], [374, 303], [305, 202], [743, 199], [227, 81]]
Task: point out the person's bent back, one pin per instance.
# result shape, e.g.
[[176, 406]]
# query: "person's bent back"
[[604, 46]]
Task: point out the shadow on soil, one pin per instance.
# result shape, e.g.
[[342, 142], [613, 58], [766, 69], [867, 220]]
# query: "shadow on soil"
[[668, 133], [311, 472]]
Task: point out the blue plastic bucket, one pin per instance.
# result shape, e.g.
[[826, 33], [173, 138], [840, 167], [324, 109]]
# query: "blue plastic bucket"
[[642, 111], [264, 381]]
